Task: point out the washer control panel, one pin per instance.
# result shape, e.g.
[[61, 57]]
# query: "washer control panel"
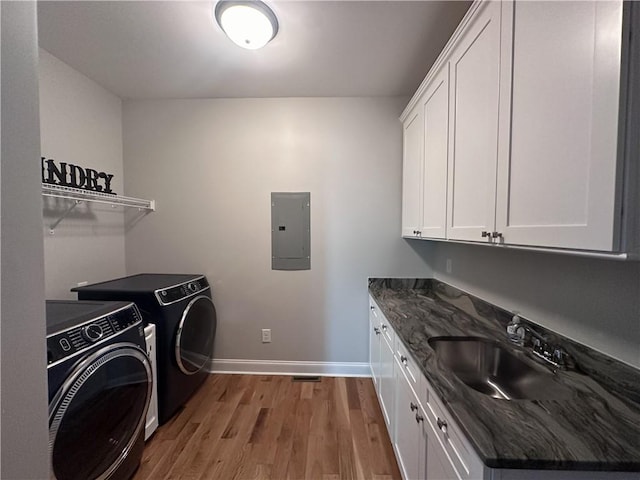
[[178, 292], [68, 342]]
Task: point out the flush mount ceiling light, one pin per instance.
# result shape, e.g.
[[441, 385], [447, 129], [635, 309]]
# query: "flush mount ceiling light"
[[249, 24]]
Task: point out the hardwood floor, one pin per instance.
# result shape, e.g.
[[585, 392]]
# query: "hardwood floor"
[[269, 427]]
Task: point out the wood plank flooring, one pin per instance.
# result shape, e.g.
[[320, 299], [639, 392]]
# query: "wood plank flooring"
[[269, 427]]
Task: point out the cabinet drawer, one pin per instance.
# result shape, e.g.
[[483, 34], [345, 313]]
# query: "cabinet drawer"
[[388, 334], [378, 320], [461, 454], [408, 364], [374, 313]]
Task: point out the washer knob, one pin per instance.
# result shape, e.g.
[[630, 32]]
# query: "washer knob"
[[92, 333], [192, 287]]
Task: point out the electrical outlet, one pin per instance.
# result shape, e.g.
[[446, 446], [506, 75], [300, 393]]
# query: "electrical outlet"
[[449, 268], [266, 335]]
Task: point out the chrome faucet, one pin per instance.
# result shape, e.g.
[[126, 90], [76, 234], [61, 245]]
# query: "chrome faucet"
[[517, 333]]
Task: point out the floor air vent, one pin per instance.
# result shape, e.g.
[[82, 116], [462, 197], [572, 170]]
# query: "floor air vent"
[[306, 378]]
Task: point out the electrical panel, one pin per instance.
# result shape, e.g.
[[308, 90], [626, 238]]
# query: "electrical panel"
[[290, 231]]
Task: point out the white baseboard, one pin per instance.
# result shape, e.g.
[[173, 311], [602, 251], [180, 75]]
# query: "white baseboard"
[[279, 367]]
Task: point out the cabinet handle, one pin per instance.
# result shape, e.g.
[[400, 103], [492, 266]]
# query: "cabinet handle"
[[486, 234], [419, 418], [413, 406], [384, 328], [372, 307], [496, 235], [403, 359], [377, 330], [442, 425]]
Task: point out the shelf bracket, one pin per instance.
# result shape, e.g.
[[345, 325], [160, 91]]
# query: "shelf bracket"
[[53, 226]]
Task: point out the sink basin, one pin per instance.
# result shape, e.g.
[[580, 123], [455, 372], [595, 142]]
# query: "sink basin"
[[487, 367]]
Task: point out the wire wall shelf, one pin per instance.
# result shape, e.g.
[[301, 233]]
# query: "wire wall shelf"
[[78, 195]]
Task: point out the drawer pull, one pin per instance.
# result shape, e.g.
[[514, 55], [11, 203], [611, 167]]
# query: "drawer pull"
[[384, 328], [419, 418], [377, 330], [442, 425], [413, 406], [403, 359]]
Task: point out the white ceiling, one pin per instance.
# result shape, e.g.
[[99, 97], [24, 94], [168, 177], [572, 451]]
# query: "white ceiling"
[[174, 49]]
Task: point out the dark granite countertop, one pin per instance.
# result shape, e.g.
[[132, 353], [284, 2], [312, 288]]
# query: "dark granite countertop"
[[596, 428]]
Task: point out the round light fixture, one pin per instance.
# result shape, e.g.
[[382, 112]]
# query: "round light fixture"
[[249, 24]]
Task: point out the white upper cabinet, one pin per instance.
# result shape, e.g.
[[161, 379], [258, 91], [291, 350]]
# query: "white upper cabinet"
[[475, 78], [537, 103], [426, 156], [412, 174], [557, 174], [435, 109]]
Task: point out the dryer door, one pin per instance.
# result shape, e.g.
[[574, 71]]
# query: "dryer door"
[[196, 332], [98, 413]]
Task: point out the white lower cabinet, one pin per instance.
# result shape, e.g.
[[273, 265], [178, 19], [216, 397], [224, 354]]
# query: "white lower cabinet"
[[410, 432], [411, 413], [387, 390], [438, 466], [450, 450], [428, 443], [374, 345], [381, 340]]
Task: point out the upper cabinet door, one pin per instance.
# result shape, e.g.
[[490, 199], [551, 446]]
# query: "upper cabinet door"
[[435, 107], [475, 85], [412, 174], [557, 172]]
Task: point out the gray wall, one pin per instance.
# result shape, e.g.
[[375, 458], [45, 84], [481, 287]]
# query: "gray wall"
[[211, 165], [23, 400], [80, 123], [596, 302]]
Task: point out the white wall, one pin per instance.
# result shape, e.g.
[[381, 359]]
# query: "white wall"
[[81, 124], [23, 368], [596, 302], [211, 165]]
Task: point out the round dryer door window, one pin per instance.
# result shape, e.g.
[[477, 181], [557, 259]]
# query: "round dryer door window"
[[196, 332], [97, 415]]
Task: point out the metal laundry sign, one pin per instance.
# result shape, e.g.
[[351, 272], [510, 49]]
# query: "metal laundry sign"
[[69, 175]]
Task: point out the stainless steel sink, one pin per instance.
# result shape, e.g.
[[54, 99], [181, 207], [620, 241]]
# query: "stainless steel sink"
[[487, 367]]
